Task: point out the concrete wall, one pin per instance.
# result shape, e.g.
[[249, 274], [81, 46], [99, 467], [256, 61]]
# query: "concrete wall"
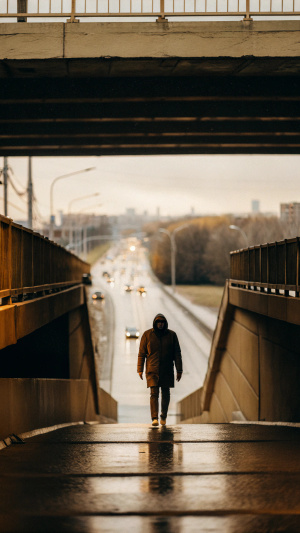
[[149, 40], [48, 375], [254, 364], [29, 404]]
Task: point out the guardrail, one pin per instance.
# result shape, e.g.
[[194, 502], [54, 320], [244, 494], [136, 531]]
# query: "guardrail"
[[30, 263], [272, 266], [73, 10]]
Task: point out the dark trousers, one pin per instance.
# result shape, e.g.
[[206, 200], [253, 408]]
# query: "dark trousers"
[[165, 400]]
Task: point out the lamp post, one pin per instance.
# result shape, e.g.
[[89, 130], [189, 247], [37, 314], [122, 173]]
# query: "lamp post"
[[85, 228], [237, 228], [5, 183], [173, 251], [51, 195], [69, 210]]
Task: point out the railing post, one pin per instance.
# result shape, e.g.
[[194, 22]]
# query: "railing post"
[[9, 257], [276, 265], [248, 270], [21, 266], [268, 268], [162, 17], [285, 255], [260, 266], [247, 17], [8, 261], [73, 13], [286, 292], [297, 268], [22, 8], [33, 272]]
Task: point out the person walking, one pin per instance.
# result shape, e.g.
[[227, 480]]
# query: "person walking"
[[160, 348]]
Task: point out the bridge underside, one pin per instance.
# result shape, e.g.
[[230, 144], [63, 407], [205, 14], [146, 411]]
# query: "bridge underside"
[[149, 115], [124, 89]]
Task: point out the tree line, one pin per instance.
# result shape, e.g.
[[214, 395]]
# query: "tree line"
[[203, 245]]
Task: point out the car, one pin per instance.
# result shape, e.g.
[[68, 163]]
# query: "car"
[[110, 280], [105, 274], [132, 332], [98, 295], [87, 278], [128, 288], [141, 290]]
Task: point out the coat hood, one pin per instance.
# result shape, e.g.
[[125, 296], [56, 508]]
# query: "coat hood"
[[160, 315]]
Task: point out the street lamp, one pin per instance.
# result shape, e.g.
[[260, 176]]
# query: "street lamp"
[[51, 195], [237, 228], [77, 238], [173, 251], [69, 210], [81, 198], [85, 227], [89, 207]]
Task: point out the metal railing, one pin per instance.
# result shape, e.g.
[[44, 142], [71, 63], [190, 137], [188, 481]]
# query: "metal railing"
[[272, 267], [30, 263], [74, 10]]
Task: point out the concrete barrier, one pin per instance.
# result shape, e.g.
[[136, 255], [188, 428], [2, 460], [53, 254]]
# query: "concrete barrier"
[[254, 364], [48, 368]]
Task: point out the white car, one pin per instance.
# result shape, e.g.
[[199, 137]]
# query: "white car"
[[132, 333]]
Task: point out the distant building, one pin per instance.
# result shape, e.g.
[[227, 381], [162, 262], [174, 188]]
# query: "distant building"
[[255, 206], [290, 212], [130, 212]]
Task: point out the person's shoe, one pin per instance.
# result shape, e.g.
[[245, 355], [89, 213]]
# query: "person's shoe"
[[155, 422], [163, 421]]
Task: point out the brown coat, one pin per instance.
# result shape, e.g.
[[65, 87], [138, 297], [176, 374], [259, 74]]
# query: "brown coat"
[[160, 350]]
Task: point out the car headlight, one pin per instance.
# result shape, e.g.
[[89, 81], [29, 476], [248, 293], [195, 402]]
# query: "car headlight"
[[137, 333], [127, 334]]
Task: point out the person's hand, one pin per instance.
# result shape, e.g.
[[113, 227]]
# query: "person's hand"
[[179, 376], [141, 375]]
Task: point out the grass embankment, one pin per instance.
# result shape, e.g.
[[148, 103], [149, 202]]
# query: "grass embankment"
[[97, 252], [207, 295]]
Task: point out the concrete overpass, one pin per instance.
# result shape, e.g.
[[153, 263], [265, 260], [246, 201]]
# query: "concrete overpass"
[[145, 88]]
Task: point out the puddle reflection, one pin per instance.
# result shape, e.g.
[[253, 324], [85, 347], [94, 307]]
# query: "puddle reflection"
[[161, 450], [164, 524], [163, 456]]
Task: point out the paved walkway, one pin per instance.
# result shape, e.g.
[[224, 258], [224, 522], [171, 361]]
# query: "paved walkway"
[[180, 479]]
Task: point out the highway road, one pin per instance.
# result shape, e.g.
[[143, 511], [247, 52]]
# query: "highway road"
[[120, 309]]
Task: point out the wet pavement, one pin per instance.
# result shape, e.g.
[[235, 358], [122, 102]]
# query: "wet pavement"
[[130, 477]]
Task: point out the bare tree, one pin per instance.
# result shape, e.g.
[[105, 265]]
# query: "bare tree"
[[204, 246], [160, 257], [260, 230], [191, 244], [217, 256]]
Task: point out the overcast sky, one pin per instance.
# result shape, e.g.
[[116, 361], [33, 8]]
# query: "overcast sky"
[[210, 184]]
